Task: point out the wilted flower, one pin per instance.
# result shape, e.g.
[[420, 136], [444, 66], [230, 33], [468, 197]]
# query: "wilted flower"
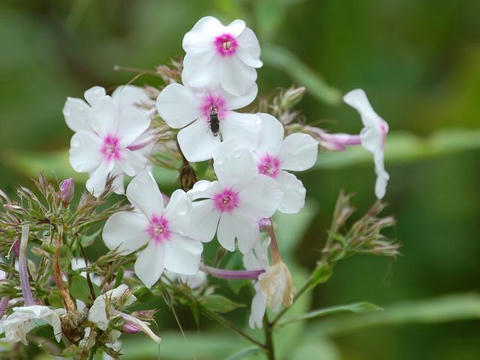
[[233, 205], [221, 55], [372, 136], [206, 118], [24, 319], [161, 228], [277, 286], [105, 128]]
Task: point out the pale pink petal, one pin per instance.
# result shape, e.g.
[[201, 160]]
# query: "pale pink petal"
[[85, 155], [234, 168], [203, 220], [150, 264], [242, 127], [197, 141], [94, 94], [182, 254], [76, 113], [293, 199], [298, 152], [261, 197], [177, 105], [249, 49], [125, 231], [271, 135], [144, 194], [236, 77]]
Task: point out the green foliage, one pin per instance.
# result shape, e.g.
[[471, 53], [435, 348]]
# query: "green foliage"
[[219, 303]]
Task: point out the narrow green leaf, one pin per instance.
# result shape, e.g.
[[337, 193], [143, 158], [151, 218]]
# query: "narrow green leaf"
[[283, 59], [219, 303], [443, 309], [245, 354], [360, 307]]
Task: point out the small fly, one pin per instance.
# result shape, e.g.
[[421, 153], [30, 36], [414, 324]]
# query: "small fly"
[[214, 123]]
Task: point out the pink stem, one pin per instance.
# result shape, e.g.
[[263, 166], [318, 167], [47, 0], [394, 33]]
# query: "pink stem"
[[3, 305], [22, 269], [231, 274]]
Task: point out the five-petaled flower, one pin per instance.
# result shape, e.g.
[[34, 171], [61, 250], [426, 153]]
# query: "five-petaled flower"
[[233, 206], [372, 136], [221, 55], [206, 118], [162, 229], [107, 131]]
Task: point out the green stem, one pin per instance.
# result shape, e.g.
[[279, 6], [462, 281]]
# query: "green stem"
[[300, 292], [269, 348], [221, 320]]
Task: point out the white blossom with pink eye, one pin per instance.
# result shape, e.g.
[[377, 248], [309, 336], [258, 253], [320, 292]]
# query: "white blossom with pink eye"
[[105, 129], [218, 55], [161, 228], [372, 136], [200, 134], [275, 156], [232, 206]]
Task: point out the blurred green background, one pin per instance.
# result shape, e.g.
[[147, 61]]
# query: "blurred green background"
[[419, 62]]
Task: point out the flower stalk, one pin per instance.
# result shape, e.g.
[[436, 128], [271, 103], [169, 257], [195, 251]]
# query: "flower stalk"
[[22, 268], [231, 274]]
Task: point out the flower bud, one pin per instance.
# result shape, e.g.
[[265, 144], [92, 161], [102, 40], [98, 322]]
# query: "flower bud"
[[129, 328], [67, 190], [277, 286]]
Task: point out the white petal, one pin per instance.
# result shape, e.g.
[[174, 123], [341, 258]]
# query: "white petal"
[[125, 231], [98, 178], [201, 70], [247, 232], [203, 189], [358, 100], [197, 141], [382, 175], [200, 38], [259, 306], [226, 231], [234, 167], [76, 113], [118, 186], [293, 199], [177, 105], [271, 135], [260, 197], [150, 264], [143, 193], [242, 127], [249, 49], [298, 152], [132, 123], [182, 254], [238, 102], [177, 211], [132, 162], [103, 117], [85, 154], [94, 94], [236, 27], [236, 77], [203, 220], [131, 96]]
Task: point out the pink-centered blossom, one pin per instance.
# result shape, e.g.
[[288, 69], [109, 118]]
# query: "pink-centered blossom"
[[218, 55], [162, 229], [275, 156], [191, 111], [107, 131], [233, 205], [372, 136]]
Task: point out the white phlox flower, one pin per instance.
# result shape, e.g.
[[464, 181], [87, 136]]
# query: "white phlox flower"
[[107, 130], [103, 307], [257, 259], [373, 135], [233, 205], [17, 325], [162, 229], [206, 118], [275, 156], [221, 55]]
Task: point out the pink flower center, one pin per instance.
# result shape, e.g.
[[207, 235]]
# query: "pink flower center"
[[226, 201], [111, 148], [213, 102], [226, 45], [269, 165], [158, 229]]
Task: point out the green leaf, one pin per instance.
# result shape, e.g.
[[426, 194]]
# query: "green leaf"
[[245, 354], [88, 240], [219, 303], [437, 310], [318, 349], [79, 288], [402, 147], [283, 59], [360, 307]]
